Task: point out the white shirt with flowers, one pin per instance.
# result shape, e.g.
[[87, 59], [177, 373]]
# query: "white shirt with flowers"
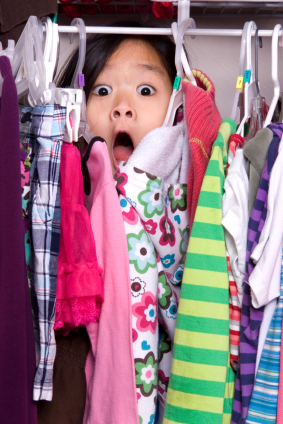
[[156, 225]]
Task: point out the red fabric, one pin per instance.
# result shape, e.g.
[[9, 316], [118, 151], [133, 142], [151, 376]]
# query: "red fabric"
[[71, 10], [109, 9], [203, 121], [235, 141], [159, 9], [125, 9], [80, 289], [163, 9], [91, 10]]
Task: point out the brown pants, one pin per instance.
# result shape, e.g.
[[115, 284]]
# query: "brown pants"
[[69, 381]]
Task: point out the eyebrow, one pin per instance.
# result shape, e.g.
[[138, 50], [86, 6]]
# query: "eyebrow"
[[144, 67], [150, 67]]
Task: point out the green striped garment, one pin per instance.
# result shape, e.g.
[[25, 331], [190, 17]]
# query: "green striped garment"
[[201, 386]]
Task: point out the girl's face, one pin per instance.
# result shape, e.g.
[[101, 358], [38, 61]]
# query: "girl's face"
[[130, 98]]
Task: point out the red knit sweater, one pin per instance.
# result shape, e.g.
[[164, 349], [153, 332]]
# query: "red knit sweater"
[[203, 121]]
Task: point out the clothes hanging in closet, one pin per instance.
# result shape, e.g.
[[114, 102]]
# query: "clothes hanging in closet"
[[79, 294], [17, 352], [280, 386], [256, 153], [48, 123], [201, 382], [251, 318], [110, 365], [235, 141], [69, 381], [259, 297], [26, 142], [235, 224], [155, 231], [203, 120], [263, 404]]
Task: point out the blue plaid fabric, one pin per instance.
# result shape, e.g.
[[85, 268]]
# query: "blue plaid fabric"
[[48, 124]]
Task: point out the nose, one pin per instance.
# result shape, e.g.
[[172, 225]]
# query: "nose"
[[122, 111]]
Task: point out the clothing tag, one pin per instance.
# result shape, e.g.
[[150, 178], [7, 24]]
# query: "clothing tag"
[[81, 79], [247, 77], [177, 82], [240, 83]]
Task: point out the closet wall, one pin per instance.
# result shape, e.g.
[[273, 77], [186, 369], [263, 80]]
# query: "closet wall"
[[218, 57]]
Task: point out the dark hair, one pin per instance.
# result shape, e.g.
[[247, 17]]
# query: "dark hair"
[[100, 47]]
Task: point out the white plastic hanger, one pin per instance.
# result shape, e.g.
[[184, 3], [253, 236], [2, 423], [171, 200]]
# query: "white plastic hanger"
[[250, 86], [33, 59], [240, 80], [28, 64], [274, 73], [73, 98], [257, 104], [79, 23], [50, 59], [182, 65]]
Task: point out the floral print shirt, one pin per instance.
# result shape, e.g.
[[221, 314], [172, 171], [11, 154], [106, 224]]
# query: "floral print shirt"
[[156, 225], [25, 118]]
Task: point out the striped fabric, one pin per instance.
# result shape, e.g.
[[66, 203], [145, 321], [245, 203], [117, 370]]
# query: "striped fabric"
[[234, 317], [263, 405], [235, 141], [48, 124], [202, 381], [251, 318]]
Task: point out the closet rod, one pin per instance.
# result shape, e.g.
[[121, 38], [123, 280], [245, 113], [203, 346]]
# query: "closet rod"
[[163, 31]]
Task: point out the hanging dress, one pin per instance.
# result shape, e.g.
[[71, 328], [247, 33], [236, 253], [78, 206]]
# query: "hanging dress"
[[79, 284]]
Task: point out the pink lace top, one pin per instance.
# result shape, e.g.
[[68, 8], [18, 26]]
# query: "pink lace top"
[[80, 290]]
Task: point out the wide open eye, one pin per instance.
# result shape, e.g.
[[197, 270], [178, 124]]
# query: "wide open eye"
[[145, 90], [102, 90]]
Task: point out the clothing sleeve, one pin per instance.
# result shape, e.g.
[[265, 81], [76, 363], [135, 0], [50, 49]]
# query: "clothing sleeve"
[[162, 208], [235, 221], [265, 278], [163, 211]]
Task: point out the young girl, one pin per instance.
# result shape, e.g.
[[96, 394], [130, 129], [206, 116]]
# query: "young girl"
[[129, 82]]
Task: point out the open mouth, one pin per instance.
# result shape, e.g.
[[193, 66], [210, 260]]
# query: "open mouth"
[[123, 147]]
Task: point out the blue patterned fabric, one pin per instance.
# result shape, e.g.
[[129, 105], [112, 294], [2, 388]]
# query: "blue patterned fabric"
[[263, 405], [251, 318], [48, 124]]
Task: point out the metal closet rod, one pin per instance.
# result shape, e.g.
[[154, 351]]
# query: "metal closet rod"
[[162, 31]]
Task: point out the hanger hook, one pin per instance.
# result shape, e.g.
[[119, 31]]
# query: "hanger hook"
[[79, 23], [181, 60], [274, 73], [257, 44], [251, 26], [243, 49]]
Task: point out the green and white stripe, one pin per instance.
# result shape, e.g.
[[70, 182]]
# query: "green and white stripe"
[[201, 386]]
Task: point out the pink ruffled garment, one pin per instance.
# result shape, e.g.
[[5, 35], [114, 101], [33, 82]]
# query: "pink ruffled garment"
[[80, 291]]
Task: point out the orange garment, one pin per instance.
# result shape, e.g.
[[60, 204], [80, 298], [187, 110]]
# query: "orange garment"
[[203, 121]]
